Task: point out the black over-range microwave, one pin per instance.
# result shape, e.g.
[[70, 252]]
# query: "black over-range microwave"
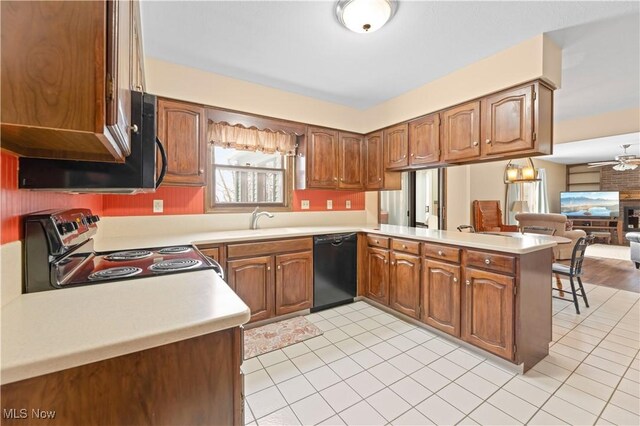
[[137, 174]]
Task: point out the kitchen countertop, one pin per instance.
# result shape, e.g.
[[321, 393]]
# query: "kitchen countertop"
[[54, 330]]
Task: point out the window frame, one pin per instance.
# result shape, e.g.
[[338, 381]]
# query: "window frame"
[[287, 194]]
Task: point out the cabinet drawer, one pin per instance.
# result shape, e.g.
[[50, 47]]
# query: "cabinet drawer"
[[268, 247], [378, 241], [406, 246], [450, 254], [495, 262]]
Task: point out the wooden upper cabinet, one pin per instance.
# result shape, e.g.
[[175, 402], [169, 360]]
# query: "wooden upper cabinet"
[[461, 132], [424, 140], [182, 132], [396, 143], [322, 153], [488, 311], [507, 121], [441, 296], [374, 166], [350, 161], [294, 282], [252, 280], [377, 284], [404, 294], [65, 86]]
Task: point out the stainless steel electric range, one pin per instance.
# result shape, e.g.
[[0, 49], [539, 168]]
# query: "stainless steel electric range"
[[58, 253]]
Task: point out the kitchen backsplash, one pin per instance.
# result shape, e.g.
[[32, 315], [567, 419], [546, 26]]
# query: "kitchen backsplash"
[[176, 201]]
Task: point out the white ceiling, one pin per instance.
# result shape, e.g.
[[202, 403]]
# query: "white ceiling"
[[600, 149], [299, 46]]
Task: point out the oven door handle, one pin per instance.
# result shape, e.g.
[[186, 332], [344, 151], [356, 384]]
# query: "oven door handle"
[[216, 266]]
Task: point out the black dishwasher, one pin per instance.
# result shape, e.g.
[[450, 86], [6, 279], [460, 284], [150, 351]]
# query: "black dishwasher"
[[334, 270]]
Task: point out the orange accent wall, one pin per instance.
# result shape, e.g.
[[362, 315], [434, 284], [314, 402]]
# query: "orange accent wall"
[[15, 203], [318, 200], [176, 200]]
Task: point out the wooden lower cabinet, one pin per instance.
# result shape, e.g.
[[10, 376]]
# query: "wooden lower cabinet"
[[294, 282], [377, 283], [488, 311], [404, 293], [191, 382], [252, 280], [441, 296]]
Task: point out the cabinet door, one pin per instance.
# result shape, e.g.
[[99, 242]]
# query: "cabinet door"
[[424, 140], [137, 59], [350, 159], [461, 132], [507, 123], [252, 280], [182, 131], [294, 282], [396, 146], [377, 286], [487, 311], [322, 150], [404, 295], [374, 161], [441, 296], [118, 96]]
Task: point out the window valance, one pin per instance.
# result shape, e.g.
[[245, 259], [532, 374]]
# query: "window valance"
[[250, 139]]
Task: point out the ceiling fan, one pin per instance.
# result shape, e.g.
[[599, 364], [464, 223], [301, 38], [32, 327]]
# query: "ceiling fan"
[[621, 162]]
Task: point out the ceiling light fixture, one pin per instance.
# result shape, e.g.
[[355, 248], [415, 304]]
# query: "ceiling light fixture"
[[365, 16]]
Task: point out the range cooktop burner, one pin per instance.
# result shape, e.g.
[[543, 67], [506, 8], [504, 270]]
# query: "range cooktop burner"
[[112, 273], [175, 265], [175, 250], [129, 255]]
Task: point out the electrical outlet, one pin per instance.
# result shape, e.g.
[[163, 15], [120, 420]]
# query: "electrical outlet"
[[348, 204], [304, 204], [329, 204], [158, 206]]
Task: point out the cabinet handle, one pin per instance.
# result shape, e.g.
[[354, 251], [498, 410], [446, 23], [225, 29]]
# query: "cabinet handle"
[[455, 280], [134, 128], [279, 267], [377, 242], [393, 263], [268, 268], [138, 88], [404, 246], [488, 141], [440, 253], [335, 178], [412, 154], [487, 261], [467, 282], [386, 261], [475, 143], [201, 171], [379, 178]]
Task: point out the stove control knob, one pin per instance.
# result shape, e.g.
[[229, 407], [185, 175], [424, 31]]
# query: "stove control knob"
[[93, 219], [66, 227]]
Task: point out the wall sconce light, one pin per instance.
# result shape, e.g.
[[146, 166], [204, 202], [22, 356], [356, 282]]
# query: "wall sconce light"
[[515, 173]]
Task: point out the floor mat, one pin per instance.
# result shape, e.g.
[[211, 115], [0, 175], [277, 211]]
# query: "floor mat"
[[278, 335]]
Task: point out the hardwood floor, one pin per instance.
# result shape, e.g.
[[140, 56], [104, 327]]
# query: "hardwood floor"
[[619, 274]]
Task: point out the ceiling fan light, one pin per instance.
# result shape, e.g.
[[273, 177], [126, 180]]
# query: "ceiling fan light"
[[364, 16]]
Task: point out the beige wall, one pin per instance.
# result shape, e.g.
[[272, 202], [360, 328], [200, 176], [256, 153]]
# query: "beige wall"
[[608, 124], [458, 205], [486, 182], [535, 58]]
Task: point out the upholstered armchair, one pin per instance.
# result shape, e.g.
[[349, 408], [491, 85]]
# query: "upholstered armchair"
[[559, 223], [487, 217], [634, 239]]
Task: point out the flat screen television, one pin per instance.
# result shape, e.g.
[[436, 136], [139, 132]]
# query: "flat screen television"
[[597, 205]]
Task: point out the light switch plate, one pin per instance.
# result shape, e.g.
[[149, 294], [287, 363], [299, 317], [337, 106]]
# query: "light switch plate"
[[304, 204], [348, 204], [329, 204], [158, 206]]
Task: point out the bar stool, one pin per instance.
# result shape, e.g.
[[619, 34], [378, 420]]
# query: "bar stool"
[[574, 271]]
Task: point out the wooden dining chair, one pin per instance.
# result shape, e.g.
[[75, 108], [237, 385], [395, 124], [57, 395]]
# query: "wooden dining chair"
[[574, 271], [542, 230]]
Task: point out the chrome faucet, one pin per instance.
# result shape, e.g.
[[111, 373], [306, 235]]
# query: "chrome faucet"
[[255, 216]]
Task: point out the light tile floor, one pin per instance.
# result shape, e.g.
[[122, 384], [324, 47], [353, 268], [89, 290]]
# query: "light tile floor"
[[371, 368]]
